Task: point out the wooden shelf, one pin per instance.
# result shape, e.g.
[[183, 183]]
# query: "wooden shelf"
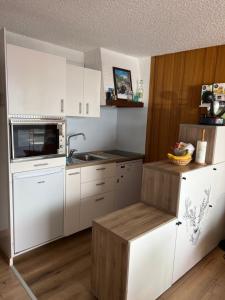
[[124, 103]]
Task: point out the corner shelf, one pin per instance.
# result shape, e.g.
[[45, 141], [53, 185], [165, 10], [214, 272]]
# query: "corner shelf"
[[124, 103]]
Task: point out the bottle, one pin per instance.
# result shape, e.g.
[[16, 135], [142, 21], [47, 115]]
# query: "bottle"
[[140, 90], [201, 150]]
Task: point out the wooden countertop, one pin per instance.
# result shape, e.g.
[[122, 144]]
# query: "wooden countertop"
[[168, 167], [132, 221]]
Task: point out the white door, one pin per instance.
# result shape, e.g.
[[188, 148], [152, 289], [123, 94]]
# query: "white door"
[[74, 105], [128, 184], [92, 86], [151, 263], [193, 216], [72, 202], [36, 82], [38, 201], [216, 223]]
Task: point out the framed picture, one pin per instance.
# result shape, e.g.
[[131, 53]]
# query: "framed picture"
[[122, 82]]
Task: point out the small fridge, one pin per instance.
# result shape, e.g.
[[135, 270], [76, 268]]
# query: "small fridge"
[[38, 207]]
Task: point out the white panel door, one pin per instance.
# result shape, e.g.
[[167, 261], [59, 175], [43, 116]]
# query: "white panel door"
[[36, 82], [38, 206], [92, 86], [72, 202], [74, 105], [151, 263], [216, 223], [193, 215]]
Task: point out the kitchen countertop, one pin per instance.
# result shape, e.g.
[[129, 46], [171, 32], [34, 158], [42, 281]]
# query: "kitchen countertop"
[[132, 221], [109, 155]]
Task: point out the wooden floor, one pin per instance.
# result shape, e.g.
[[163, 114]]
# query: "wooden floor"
[[61, 270], [10, 288]]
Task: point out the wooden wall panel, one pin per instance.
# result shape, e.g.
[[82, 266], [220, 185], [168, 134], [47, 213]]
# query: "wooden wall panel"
[[175, 88]]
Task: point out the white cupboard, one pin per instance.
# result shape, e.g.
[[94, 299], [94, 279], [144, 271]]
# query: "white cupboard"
[[72, 203], [194, 219], [151, 263], [82, 92], [128, 184], [36, 82]]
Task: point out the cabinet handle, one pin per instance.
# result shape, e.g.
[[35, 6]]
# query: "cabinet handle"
[[100, 169], [62, 105], [41, 181], [102, 183], [178, 223], [80, 108], [214, 169], [99, 199], [184, 178], [75, 173], [40, 165], [210, 205], [87, 108]]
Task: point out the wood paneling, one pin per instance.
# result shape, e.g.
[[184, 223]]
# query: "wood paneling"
[[175, 89]]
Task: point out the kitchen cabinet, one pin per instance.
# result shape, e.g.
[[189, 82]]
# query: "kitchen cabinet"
[[128, 185], [137, 261], [74, 105], [36, 82], [195, 219], [82, 92], [38, 205], [72, 202], [94, 207]]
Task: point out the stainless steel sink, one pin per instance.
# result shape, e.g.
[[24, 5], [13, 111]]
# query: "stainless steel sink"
[[87, 157]]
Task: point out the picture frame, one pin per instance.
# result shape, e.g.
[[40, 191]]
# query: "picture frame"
[[122, 83]]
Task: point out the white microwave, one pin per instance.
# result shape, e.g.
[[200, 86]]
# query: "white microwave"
[[37, 138]]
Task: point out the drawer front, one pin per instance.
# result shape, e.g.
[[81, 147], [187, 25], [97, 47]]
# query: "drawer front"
[[98, 172], [95, 207], [96, 187], [37, 164]]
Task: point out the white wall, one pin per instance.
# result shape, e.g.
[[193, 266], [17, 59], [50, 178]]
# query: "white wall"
[[131, 129], [101, 133]]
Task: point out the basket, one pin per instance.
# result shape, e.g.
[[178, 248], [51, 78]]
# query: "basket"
[[180, 162]]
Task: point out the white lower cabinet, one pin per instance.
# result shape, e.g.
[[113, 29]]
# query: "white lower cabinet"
[[128, 183], [200, 217], [72, 203], [151, 263], [94, 207]]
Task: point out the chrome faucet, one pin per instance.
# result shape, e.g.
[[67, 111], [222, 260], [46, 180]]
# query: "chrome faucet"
[[69, 153]]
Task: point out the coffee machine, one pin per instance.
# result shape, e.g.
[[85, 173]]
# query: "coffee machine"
[[212, 106]]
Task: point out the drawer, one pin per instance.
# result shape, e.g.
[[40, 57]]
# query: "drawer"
[[95, 207], [98, 172], [38, 164], [92, 188]]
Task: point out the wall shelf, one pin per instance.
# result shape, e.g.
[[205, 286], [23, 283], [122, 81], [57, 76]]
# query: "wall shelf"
[[124, 103]]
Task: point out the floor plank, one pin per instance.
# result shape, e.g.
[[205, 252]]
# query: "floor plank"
[[10, 288], [61, 270]]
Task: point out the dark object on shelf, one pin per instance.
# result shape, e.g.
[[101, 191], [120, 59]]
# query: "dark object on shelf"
[[222, 245], [122, 83], [124, 103], [212, 117]]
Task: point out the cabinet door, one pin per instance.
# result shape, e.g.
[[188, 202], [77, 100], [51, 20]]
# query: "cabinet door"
[[216, 223], [92, 85], [36, 82], [151, 263], [72, 203], [74, 91], [94, 207], [194, 209], [128, 184]]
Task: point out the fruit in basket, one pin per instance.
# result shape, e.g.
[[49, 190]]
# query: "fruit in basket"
[[177, 157], [182, 149]]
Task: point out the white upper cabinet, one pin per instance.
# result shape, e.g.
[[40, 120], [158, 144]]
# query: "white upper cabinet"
[[82, 92], [92, 85], [36, 82], [74, 90]]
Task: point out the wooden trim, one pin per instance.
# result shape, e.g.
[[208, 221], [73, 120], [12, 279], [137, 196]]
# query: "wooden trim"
[[124, 103]]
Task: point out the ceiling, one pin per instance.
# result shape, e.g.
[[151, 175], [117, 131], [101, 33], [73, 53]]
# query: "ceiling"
[[135, 27]]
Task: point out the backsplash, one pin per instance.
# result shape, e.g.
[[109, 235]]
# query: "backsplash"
[[123, 129]]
